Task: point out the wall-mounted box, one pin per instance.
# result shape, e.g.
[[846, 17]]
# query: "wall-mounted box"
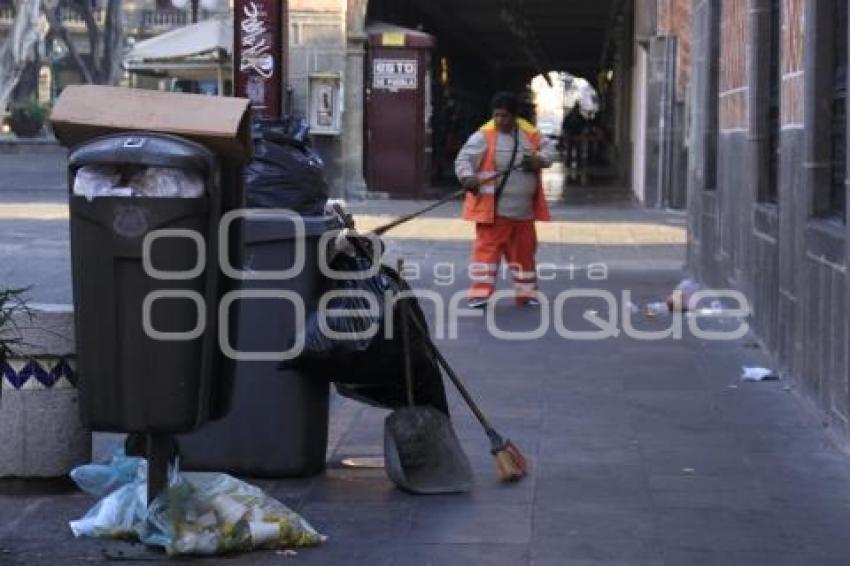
[[324, 107]]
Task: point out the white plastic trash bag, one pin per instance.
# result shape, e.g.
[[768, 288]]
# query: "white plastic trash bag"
[[199, 513], [96, 180], [165, 182], [213, 513], [120, 515], [93, 181], [102, 479]]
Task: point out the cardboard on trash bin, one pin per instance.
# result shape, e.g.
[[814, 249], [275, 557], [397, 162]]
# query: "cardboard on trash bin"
[[84, 112]]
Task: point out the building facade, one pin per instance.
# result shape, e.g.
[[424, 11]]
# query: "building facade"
[[766, 178], [327, 42], [660, 87]]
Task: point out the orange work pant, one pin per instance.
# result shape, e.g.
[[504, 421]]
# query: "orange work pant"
[[516, 241]]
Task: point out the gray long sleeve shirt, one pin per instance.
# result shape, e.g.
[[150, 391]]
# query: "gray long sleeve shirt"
[[517, 197]]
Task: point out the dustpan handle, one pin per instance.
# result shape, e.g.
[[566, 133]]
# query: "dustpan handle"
[[455, 379], [429, 343], [405, 342]]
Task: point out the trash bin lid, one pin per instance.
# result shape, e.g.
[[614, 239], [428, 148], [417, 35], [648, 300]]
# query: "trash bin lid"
[[159, 150]]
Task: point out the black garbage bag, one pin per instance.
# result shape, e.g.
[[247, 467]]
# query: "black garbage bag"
[[286, 172], [362, 303], [371, 370]]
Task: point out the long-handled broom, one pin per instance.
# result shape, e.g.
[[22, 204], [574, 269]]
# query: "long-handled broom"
[[510, 462], [386, 227]]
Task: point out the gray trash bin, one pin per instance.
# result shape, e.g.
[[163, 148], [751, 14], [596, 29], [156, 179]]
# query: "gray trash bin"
[[130, 381], [278, 422]]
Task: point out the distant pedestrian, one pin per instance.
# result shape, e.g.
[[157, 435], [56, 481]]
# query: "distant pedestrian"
[[504, 209], [572, 128]]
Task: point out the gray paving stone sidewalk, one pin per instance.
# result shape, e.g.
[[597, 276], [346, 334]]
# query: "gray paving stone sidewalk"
[[641, 452]]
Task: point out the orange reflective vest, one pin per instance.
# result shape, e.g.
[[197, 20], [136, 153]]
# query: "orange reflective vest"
[[482, 207]]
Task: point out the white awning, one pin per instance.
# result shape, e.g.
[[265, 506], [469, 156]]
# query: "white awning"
[[208, 39]]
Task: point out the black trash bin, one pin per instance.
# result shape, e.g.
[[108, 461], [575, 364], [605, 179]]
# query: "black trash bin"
[[130, 379], [278, 421]]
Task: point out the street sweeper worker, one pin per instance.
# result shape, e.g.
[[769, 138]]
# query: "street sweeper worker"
[[504, 207]]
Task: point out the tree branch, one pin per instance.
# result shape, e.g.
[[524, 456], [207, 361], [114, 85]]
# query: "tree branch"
[[56, 26], [83, 7]]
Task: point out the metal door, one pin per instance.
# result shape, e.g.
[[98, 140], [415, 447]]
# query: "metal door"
[[395, 120]]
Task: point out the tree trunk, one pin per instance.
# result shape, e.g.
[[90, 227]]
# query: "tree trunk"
[[105, 44], [84, 8], [27, 86], [19, 49], [54, 19], [113, 40]]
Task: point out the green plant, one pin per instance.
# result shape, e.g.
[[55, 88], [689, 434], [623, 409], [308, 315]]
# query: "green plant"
[[30, 110], [13, 306]]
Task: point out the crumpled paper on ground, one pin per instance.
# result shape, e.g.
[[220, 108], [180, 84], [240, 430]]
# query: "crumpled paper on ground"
[[758, 374], [681, 298]]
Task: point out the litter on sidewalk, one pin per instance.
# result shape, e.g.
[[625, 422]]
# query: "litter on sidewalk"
[[758, 374], [681, 297], [659, 308], [715, 309], [654, 310], [199, 513]]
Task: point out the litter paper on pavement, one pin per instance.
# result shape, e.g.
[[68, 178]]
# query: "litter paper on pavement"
[[758, 374], [653, 310], [680, 299], [715, 309]]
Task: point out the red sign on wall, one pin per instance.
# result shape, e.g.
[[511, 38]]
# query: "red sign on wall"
[[258, 54]]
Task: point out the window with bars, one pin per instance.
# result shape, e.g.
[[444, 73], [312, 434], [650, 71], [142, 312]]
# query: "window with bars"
[[774, 46], [838, 131]]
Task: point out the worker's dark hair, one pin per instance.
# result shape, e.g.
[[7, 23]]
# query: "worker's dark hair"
[[505, 101]]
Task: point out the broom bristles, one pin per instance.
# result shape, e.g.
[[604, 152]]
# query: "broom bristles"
[[510, 463], [518, 457]]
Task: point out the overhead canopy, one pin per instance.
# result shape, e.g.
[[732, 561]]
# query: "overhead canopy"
[[528, 35], [195, 51]]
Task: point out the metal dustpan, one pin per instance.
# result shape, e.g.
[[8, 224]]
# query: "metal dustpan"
[[421, 450], [422, 453]]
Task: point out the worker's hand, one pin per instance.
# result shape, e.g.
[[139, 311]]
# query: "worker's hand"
[[471, 184], [532, 162]]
